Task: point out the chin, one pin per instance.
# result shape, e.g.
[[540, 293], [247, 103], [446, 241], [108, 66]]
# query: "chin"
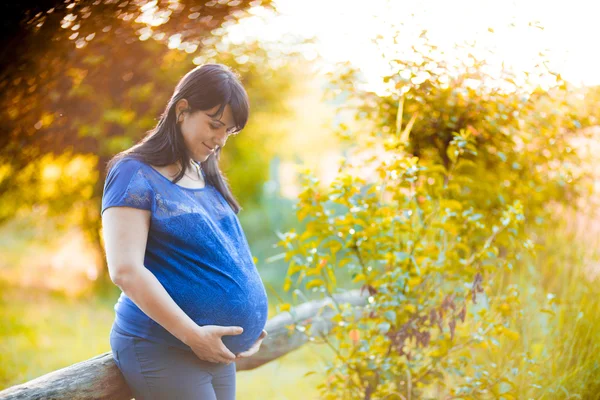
[[201, 157]]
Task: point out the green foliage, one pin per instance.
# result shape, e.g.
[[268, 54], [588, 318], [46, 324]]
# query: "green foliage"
[[76, 112], [436, 222], [421, 254], [521, 131]]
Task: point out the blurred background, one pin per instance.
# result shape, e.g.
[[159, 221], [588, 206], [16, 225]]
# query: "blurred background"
[[83, 80]]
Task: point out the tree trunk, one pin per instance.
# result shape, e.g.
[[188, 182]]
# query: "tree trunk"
[[100, 378], [103, 282]]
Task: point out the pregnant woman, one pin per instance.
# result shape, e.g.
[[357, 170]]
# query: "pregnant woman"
[[192, 301]]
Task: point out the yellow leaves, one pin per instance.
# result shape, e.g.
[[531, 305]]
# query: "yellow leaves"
[[437, 169], [410, 308], [359, 277], [285, 307], [302, 213], [301, 276], [373, 189], [537, 349], [337, 318], [77, 75], [483, 344], [464, 165], [512, 335], [315, 226], [439, 352], [331, 276], [46, 120], [454, 188], [414, 281], [51, 171], [508, 333], [65, 175], [314, 283], [334, 246], [462, 180], [461, 247], [13, 112], [288, 255], [343, 262], [451, 204], [294, 268], [316, 271], [504, 309], [287, 283], [305, 236], [420, 260], [122, 117]]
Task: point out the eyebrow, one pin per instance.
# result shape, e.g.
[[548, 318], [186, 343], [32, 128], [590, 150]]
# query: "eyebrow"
[[221, 122]]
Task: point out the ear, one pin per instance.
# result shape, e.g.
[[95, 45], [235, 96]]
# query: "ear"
[[180, 108]]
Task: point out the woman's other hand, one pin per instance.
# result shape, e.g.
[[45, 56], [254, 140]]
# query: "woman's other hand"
[[255, 347]]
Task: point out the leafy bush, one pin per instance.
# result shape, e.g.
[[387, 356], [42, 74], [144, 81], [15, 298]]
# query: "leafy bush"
[[437, 222]]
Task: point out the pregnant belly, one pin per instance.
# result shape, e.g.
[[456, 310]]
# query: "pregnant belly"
[[225, 303]]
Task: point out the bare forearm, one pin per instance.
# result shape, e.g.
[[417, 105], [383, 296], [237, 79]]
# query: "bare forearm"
[[142, 287]]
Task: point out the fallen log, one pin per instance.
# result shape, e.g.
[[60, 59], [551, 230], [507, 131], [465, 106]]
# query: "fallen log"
[[100, 378]]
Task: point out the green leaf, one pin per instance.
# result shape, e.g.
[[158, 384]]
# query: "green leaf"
[[384, 327]]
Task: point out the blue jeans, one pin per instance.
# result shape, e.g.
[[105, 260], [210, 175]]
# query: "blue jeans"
[[159, 371]]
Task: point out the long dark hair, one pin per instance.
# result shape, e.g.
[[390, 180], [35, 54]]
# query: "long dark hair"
[[204, 87]]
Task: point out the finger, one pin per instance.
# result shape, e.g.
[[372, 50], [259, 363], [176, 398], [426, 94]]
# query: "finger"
[[232, 330], [251, 349], [245, 354], [227, 353]]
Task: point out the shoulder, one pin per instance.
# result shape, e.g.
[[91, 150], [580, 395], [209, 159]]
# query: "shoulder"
[[127, 171], [128, 164], [126, 185]]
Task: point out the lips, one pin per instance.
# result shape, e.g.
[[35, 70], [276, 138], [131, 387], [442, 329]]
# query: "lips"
[[208, 147]]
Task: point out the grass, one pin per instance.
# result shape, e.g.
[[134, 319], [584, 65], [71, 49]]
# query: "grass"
[[43, 332], [556, 354]]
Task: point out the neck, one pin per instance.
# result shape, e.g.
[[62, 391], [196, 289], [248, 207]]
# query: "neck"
[[192, 169], [191, 166]]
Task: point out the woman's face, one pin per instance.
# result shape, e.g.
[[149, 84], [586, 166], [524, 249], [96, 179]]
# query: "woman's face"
[[202, 134]]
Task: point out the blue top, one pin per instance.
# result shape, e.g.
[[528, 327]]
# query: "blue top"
[[196, 249]]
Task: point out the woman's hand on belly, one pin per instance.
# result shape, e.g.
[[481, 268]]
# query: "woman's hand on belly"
[[255, 347], [206, 342]]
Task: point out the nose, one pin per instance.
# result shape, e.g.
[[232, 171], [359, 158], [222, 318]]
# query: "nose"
[[220, 139]]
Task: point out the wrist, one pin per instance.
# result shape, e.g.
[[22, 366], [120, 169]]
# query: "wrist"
[[186, 332]]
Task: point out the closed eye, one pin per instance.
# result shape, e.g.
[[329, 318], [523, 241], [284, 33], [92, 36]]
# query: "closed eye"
[[231, 131]]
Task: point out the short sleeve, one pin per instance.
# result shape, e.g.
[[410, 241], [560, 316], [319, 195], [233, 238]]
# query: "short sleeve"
[[126, 186]]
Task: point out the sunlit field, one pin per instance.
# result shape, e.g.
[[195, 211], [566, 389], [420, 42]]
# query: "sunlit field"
[[442, 157], [42, 333]]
